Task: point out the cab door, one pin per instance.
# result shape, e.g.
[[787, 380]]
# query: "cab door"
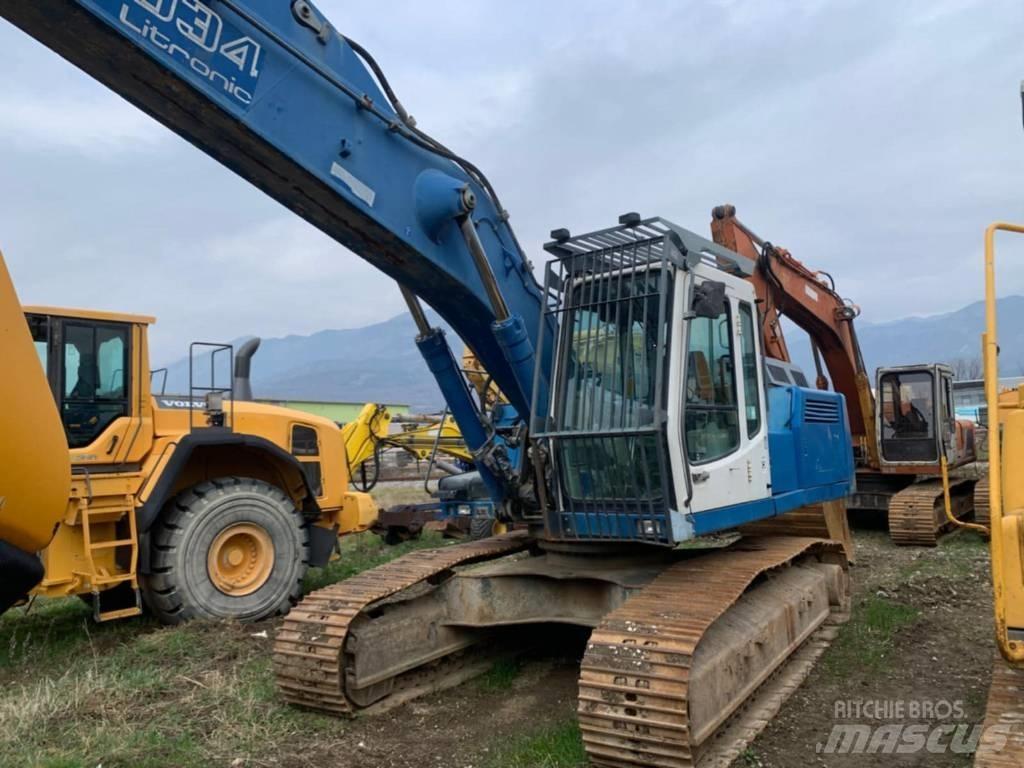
[[724, 423], [89, 367], [959, 447]]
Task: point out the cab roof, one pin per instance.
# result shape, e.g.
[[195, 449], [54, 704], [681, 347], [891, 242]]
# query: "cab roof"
[[91, 314]]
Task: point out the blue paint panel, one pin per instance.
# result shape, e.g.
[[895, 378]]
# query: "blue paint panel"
[[811, 454], [716, 520], [811, 458], [808, 439]]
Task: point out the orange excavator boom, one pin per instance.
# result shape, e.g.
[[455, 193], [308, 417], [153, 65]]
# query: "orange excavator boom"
[[785, 287]]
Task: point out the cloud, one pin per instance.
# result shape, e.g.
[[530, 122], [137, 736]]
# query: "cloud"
[[84, 126], [873, 140]]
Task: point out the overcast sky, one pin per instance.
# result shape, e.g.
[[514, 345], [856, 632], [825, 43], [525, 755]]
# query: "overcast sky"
[[874, 140]]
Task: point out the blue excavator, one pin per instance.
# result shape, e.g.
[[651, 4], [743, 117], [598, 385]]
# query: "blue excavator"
[[640, 432]]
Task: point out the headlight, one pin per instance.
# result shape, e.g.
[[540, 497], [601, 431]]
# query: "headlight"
[[464, 510]]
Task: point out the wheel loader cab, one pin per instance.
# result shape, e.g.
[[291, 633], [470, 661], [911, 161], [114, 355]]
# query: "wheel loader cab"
[[917, 420], [97, 366]]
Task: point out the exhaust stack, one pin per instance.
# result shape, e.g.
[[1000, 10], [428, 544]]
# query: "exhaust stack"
[[243, 358]]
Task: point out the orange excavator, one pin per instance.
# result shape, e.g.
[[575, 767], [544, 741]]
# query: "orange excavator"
[[899, 445]]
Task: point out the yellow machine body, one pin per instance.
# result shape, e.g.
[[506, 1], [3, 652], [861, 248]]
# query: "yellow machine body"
[[362, 435], [33, 453], [1006, 476], [125, 467]]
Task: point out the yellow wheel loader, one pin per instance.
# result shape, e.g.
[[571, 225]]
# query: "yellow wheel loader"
[[203, 505], [1002, 743]]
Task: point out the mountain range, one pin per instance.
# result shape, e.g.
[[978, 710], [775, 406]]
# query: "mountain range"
[[380, 362], [953, 338], [375, 363]]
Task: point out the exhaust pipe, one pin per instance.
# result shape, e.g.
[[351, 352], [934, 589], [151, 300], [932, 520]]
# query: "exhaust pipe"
[[243, 358]]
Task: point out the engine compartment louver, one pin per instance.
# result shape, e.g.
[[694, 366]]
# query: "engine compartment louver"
[[821, 411]]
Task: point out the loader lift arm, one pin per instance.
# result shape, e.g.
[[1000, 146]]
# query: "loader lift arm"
[[785, 287], [34, 453]]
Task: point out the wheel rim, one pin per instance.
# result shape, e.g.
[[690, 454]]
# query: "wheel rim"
[[240, 559], [498, 528]]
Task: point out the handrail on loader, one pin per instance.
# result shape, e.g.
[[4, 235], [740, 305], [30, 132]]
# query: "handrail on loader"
[[1012, 651]]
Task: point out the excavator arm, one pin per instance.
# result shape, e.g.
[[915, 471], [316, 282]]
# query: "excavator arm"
[[36, 480], [272, 91], [787, 288]]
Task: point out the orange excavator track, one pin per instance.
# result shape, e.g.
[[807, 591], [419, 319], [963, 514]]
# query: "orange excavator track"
[[982, 504], [917, 513]]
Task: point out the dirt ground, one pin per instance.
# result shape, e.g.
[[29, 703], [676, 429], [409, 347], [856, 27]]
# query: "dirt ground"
[[133, 694], [464, 728]]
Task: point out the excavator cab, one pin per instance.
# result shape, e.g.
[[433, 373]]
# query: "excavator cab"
[[662, 426], [917, 421]]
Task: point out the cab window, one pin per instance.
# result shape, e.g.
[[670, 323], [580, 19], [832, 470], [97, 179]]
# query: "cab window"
[[39, 327], [751, 386], [711, 411], [94, 371], [908, 417]]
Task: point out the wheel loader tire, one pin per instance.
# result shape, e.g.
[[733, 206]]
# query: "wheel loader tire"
[[231, 548]]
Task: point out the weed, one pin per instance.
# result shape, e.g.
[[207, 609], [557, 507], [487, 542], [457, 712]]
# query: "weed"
[[866, 640], [557, 747], [501, 676]]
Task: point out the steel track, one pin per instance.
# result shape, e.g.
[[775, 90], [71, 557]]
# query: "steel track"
[[982, 502], [309, 649], [917, 514], [1002, 744], [634, 677], [634, 690]]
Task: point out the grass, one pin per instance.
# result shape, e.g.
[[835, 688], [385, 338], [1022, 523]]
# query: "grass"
[[869, 636], [133, 694], [501, 676], [557, 747], [187, 696]]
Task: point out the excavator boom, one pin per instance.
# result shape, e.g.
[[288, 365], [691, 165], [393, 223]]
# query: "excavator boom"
[[787, 288], [275, 93], [899, 444]]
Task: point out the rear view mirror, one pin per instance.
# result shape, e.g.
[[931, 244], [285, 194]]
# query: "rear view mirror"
[[709, 299]]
